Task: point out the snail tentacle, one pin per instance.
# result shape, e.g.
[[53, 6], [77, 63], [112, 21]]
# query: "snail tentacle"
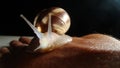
[[39, 34], [49, 26]]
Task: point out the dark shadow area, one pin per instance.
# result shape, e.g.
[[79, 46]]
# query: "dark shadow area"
[[87, 16]]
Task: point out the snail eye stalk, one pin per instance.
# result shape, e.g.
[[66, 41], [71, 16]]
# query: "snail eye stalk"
[[49, 32], [39, 35]]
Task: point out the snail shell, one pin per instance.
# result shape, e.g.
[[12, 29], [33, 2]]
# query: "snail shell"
[[60, 20], [51, 28]]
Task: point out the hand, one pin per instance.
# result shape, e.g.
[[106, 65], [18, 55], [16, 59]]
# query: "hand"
[[90, 51]]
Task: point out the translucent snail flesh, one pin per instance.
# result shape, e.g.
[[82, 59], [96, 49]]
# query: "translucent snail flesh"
[[57, 26]]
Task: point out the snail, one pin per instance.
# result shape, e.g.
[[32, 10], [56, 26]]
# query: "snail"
[[50, 28]]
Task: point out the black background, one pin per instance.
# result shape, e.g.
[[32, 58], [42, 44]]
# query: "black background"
[[87, 16]]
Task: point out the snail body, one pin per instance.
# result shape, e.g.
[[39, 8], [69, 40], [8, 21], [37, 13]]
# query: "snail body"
[[56, 26]]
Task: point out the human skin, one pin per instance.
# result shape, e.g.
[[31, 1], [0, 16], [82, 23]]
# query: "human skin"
[[89, 51]]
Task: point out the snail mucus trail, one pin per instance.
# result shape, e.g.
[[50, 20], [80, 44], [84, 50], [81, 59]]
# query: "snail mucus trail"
[[48, 40]]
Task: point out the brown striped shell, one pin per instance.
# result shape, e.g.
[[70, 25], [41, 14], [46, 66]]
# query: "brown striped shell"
[[60, 20]]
